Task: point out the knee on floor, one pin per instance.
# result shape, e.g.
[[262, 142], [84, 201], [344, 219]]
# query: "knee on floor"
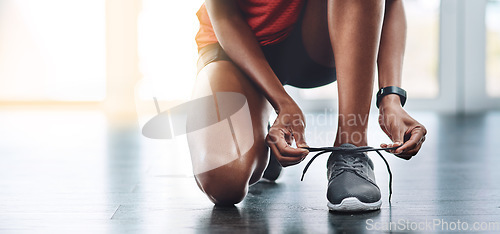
[[224, 185]]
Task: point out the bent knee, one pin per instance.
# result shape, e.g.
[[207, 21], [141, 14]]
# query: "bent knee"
[[224, 185]]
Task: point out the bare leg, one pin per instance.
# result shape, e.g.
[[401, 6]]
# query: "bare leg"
[[315, 33], [228, 184], [355, 28], [363, 35]]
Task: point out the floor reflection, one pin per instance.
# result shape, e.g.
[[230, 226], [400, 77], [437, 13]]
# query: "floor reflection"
[[63, 171], [353, 223], [251, 216], [232, 219]]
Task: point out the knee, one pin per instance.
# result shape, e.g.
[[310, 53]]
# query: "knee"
[[225, 185]]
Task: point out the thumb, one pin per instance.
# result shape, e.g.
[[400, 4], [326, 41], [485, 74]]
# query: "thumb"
[[300, 141], [302, 144], [397, 137]]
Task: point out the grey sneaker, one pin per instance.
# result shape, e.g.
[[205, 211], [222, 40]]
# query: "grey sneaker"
[[351, 182], [273, 169]]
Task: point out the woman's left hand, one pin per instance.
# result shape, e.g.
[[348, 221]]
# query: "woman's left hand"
[[401, 128]]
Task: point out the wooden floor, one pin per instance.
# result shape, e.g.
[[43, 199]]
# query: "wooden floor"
[[71, 172]]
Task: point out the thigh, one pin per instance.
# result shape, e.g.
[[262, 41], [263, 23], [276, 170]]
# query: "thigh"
[[220, 77], [305, 58], [315, 35]]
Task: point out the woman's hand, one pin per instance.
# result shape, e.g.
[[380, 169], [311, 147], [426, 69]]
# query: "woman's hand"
[[288, 127], [401, 128]]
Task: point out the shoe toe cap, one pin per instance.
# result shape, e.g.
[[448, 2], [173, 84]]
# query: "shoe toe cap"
[[348, 184]]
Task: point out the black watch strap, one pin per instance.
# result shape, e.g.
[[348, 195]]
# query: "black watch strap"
[[391, 90]]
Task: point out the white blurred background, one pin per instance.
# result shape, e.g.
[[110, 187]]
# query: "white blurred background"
[[116, 55], [75, 75]]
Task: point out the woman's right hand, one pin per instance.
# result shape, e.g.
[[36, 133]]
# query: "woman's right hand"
[[239, 42], [288, 127]]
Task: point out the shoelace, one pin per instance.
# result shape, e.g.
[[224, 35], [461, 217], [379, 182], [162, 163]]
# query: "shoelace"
[[362, 149]]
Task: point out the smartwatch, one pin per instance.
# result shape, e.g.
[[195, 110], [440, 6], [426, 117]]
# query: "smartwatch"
[[391, 90]]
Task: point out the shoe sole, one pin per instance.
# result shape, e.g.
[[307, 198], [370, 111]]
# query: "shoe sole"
[[352, 204]]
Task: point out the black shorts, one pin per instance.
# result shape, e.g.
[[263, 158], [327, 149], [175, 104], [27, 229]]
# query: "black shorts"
[[289, 60]]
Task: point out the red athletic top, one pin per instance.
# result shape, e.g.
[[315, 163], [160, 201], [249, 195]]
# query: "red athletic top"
[[271, 21]]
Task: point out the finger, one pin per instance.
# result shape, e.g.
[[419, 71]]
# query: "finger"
[[394, 145], [416, 136], [287, 150], [414, 151], [300, 138], [383, 145], [405, 157], [278, 134], [277, 138], [285, 161], [397, 136], [290, 164]]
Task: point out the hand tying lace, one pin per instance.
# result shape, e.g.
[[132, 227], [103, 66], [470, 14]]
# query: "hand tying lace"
[[361, 149]]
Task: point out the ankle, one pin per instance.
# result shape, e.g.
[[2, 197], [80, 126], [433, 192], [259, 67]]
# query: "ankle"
[[357, 138]]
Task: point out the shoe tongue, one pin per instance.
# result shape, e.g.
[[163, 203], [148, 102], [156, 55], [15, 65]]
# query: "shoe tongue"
[[351, 156]]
